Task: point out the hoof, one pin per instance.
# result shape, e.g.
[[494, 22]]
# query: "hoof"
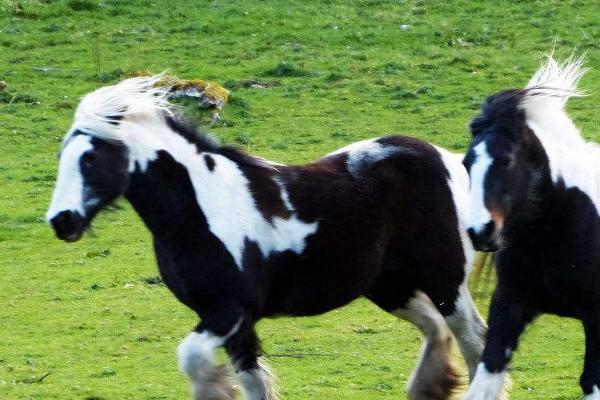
[[438, 383]]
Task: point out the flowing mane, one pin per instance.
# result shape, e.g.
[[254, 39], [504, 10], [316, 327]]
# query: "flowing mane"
[[558, 80], [545, 97], [572, 159], [99, 111], [131, 112]]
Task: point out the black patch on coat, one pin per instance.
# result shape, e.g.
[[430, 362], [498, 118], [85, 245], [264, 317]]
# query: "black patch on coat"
[[210, 162]]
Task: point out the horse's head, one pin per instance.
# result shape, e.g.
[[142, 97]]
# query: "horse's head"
[[504, 161], [517, 147], [96, 160], [92, 173]]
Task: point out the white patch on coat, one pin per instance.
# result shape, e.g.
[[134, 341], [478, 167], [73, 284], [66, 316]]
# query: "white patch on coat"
[[479, 215], [571, 158], [365, 153], [458, 182], [69, 189], [224, 197], [285, 196], [595, 395], [486, 385]]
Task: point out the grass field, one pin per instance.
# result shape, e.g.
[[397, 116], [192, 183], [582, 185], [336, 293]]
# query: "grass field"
[[91, 321]]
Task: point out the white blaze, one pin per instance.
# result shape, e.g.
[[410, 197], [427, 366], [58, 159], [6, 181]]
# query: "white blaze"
[[68, 191], [479, 215]]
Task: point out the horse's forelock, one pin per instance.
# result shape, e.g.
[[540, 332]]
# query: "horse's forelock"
[[100, 111]]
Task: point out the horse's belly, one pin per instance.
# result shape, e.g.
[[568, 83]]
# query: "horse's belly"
[[310, 287]]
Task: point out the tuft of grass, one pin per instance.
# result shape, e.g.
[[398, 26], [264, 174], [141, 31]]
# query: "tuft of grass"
[[287, 69], [82, 5], [242, 138], [152, 281], [25, 98], [110, 76]]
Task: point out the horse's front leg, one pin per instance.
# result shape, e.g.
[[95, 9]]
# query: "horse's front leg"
[[196, 354], [252, 370], [590, 379], [507, 320]]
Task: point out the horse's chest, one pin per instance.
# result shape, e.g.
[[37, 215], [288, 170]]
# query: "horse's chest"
[[555, 284], [197, 274], [171, 274]]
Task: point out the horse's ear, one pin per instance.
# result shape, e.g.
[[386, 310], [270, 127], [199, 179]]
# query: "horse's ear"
[[477, 125]]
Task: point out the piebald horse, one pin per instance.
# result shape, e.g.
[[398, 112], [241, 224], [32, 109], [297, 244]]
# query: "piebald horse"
[[535, 200], [238, 238]]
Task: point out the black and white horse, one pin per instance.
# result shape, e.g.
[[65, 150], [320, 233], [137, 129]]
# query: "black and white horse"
[[238, 238], [535, 198]]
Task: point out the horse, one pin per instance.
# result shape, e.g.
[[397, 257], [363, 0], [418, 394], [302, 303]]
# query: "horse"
[[535, 186], [238, 238]]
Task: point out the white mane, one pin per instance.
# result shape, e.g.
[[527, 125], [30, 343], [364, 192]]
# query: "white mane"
[[135, 98], [558, 80], [571, 158]]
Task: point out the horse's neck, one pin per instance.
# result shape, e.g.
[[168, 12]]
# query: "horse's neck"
[[572, 161], [163, 196], [209, 192]]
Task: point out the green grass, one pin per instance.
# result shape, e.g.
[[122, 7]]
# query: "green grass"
[[90, 313]]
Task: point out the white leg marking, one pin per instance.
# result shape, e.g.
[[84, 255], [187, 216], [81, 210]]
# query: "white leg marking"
[[479, 215], [468, 328], [595, 395], [68, 192], [196, 353], [196, 359], [487, 385], [258, 384], [435, 374]]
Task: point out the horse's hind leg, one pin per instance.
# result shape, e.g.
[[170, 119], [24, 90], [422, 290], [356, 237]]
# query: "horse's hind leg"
[[252, 370], [196, 356], [468, 328], [590, 379], [435, 377]]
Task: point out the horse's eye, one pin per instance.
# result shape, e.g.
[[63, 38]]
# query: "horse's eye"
[[505, 161], [89, 157]]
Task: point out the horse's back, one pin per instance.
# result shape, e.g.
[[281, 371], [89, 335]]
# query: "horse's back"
[[388, 223]]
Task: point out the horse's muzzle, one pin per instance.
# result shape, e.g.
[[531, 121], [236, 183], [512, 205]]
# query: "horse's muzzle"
[[487, 239], [68, 225]]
